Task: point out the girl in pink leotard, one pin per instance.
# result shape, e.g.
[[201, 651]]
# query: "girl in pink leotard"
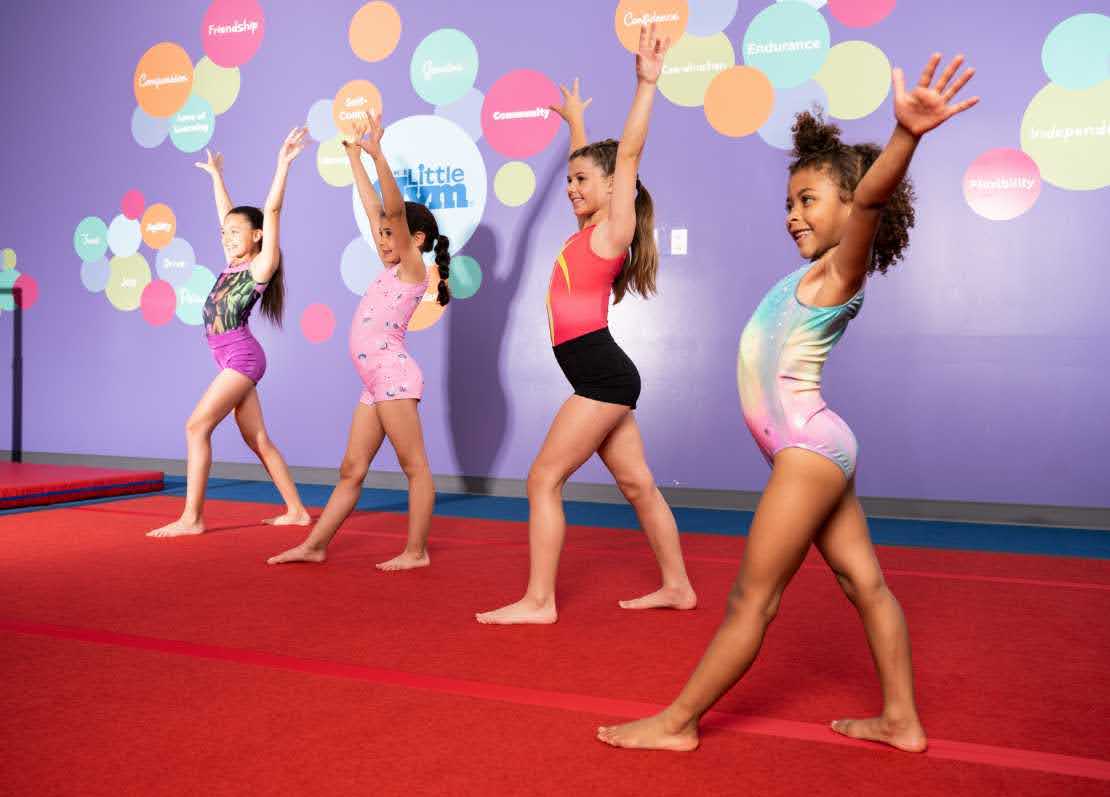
[[393, 382]]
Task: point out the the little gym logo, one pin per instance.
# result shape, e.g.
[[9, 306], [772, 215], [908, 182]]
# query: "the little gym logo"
[[437, 186]]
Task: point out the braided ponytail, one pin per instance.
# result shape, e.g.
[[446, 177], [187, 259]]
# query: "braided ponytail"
[[420, 219], [443, 260]]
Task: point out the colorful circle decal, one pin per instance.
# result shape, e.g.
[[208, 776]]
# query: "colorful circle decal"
[[860, 13], [438, 165], [232, 31], [193, 294], [444, 66], [690, 66], [127, 278], [90, 239], [217, 84], [739, 101], [776, 131], [516, 118], [710, 16], [669, 17], [1066, 133], [149, 131], [358, 265], [317, 323], [163, 79], [8, 279], [429, 310], [133, 203], [354, 101], [158, 226], [374, 31], [811, 3], [466, 277], [124, 236], [1076, 54], [1001, 184], [175, 261], [192, 127], [8, 258], [514, 183], [856, 78], [466, 112], [158, 303], [29, 290], [321, 125], [94, 275], [788, 42], [333, 164]]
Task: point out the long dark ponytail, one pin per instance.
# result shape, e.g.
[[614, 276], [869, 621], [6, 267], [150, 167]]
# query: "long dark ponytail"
[[420, 219], [273, 298], [640, 270]]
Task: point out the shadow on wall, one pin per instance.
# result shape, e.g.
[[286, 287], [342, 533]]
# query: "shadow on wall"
[[476, 395]]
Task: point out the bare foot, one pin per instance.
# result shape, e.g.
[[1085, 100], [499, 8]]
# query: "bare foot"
[[179, 528], [291, 518], [524, 612], [651, 733], [665, 598], [302, 553], [406, 561], [906, 735]]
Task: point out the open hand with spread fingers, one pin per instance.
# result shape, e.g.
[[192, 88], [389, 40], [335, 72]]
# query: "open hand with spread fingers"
[[930, 104]]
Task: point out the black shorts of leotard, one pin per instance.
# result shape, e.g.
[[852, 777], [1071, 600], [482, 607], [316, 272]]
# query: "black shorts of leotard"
[[597, 368]]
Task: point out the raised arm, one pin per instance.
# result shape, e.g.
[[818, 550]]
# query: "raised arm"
[[573, 111], [354, 147], [267, 261], [393, 204], [215, 168], [618, 230], [917, 112]]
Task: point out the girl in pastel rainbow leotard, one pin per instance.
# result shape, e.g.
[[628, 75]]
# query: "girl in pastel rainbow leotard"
[[393, 383], [849, 211], [615, 215], [254, 273]]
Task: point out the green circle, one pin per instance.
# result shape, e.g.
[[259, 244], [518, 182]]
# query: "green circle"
[[466, 277], [514, 183], [192, 127], [856, 78], [690, 66], [127, 277], [332, 162], [444, 66], [788, 42], [8, 258], [90, 239], [219, 85], [193, 294], [7, 280], [1065, 132]]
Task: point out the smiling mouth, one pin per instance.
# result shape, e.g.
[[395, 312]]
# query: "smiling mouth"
[[801, 235]]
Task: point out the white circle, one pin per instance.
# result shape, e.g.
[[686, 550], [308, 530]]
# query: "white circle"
[[125, 235]]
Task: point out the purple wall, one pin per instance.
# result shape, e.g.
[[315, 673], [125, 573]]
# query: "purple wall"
[[977, 370]]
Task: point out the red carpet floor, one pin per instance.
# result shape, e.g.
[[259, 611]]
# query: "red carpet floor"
[[139, 666]]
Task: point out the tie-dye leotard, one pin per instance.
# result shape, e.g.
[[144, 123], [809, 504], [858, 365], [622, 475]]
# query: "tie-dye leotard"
[[782, 351]]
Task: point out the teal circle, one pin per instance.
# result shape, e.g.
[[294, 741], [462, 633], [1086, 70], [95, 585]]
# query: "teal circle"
[[90, 239], [788, 42], [466, 277], [192, 127], [1076, 54], [444, 66], [8, 276], [193, 294]]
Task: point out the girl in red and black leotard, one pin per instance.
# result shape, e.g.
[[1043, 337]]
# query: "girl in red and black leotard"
[[614, 213]]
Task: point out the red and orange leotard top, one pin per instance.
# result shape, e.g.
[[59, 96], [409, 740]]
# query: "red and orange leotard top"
[[578, 297]]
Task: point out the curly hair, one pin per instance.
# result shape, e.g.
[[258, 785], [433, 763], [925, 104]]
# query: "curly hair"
[[817, 145]]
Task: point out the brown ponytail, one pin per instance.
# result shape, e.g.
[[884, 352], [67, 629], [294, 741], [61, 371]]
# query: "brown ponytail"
[[420, 219]]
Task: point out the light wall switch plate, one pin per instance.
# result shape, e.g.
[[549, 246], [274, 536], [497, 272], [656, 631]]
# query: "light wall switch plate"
[[678, 242]]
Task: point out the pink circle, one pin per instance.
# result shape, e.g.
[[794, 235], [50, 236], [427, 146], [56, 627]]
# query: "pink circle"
[[232, 31], [1002, 184], [133, 204], [317, 323], [515, 118], [30, 290], [860, 13], [158, 303]]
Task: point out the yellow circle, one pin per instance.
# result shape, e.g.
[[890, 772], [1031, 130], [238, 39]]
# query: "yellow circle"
[[690, 66], [219, 85], [514, 183], [8, 258], [1066, 133], [856, 78], [333, 164], [126, 279]]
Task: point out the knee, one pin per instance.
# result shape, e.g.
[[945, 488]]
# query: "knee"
[[197, 427], [353, 469], [414, 468], [637, 486], [543, 478], [747, 604], [258, 443], [863, 592]]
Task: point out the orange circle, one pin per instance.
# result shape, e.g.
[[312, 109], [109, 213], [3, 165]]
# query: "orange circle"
[[739, 101], [669, 16], [353, 101], [159, 226], [375, 30], [163, 79], [429, 310]]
